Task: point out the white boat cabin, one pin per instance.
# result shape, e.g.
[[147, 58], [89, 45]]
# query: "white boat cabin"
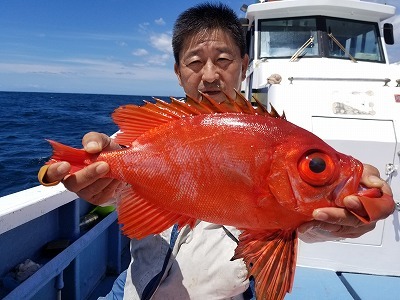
[[324, 63]]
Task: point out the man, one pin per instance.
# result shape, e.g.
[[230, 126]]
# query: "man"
[[209, 50]]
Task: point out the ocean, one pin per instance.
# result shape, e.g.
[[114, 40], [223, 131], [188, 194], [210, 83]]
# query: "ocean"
[[27, 119]]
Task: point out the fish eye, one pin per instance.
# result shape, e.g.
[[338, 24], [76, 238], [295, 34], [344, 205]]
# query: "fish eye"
[[317, 165], [317, 168]]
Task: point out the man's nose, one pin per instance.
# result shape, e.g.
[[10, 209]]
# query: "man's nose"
[[210, 72]]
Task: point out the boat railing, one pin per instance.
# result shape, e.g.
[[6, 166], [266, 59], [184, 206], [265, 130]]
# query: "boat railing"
[[21, 207], [384, 80], [32, 219]]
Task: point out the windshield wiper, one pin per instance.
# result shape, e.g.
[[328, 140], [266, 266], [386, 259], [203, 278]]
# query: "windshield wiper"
[[341, 47], [301, 50]]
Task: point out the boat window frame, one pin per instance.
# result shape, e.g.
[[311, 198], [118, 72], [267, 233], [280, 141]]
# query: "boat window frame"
[[378, 39], [323, 39], [250, 41], [288, 56]]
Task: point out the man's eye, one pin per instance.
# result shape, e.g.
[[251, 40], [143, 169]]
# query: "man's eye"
[[192, 60], [194, 64], [223, 62]]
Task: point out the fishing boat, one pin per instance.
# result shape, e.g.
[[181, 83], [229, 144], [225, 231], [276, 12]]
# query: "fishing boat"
[[326, 65]]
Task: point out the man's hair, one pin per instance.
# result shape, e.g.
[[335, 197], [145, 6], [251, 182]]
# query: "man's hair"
[[205, 17]]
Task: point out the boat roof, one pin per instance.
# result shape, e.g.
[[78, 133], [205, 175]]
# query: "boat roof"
[[351, 9]]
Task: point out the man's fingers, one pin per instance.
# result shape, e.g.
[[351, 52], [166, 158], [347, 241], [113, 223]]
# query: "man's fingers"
[[371, 170], [371, 178], [57, 171], [85, 177], [94, 142], [89, 184], [339, 216], [104, 194], [315, 231]]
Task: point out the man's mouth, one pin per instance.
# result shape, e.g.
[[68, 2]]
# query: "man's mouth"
[[212, 92]]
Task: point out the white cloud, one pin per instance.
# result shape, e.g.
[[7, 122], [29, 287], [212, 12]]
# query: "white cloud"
[[160, 60], [160, 21], [102, 78], [161, 42], [25, 68], [140, 52], [122, 44], [90, 68], [144, 26]]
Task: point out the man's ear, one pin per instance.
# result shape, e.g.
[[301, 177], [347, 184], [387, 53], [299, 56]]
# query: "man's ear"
[[178, 73]]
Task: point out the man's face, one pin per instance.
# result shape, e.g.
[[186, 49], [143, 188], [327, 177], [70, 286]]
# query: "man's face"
[[210, 62]]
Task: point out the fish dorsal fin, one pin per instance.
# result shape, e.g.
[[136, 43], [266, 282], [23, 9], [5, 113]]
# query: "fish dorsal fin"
[[270, 258], [141, 218], [134, 120]]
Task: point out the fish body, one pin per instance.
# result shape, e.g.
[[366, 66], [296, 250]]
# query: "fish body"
[[230, 169], [228, 164]]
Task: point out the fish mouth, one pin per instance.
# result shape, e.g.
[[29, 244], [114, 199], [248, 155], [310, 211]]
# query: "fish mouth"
[[349, 185]]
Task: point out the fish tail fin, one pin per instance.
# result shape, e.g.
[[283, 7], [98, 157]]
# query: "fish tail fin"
[[270, 258], [78, 158]]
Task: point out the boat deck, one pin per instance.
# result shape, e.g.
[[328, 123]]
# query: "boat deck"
[[324, 284], [320, 284]]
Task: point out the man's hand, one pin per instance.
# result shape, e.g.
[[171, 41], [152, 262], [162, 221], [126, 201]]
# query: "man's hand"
[[333, 223], [88, 182]]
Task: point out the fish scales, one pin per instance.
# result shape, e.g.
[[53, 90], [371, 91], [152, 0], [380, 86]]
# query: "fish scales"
[[215, 148]]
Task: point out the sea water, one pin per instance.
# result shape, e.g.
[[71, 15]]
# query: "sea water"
[[28, 119]]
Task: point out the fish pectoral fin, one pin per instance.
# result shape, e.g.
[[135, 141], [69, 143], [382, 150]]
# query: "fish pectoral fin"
[[270, 258], [141, 218]]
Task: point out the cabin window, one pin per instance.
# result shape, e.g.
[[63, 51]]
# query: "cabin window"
[[284, 37], [319, 36], [361, 40]]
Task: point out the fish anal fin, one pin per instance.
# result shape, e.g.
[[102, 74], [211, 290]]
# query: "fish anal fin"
[[140, 218], [270, 258]]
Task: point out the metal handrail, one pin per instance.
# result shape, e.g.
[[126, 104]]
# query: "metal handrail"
[[385, 80], [55, 267]]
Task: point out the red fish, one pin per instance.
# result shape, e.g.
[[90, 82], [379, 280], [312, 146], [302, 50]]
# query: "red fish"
[[226, 163]]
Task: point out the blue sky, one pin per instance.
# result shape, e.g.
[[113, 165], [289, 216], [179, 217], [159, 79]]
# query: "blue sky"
[[98, 46]]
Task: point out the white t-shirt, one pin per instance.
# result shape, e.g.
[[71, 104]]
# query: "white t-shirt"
[[199, 267]]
